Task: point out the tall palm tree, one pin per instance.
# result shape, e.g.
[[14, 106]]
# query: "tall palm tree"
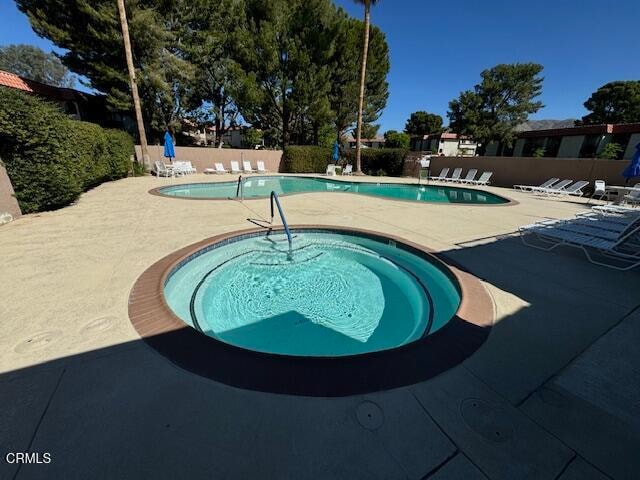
[[132, 80], [363, 75]]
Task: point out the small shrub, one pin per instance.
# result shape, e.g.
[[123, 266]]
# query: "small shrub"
[[305, 159], [611, 151], [390, 161], [52, 159]]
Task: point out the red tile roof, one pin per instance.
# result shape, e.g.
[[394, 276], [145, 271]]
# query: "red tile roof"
[[12, 80]]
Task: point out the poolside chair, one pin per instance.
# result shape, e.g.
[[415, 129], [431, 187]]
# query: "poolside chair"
[[618, 247], [246, 166], [634, 197], [471, 175], [183, 168], [261, 168], [163, 170], [574, 190], [546, 184], [599, 189], [235, 167], [220, 170], [331, 170], [443, 175], [483, 180], [558, 186], [348, 170], [455, 176]]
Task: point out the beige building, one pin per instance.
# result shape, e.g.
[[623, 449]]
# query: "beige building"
[[445, 144]]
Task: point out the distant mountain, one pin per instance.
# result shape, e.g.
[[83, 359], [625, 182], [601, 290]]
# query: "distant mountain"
[[544, 124]]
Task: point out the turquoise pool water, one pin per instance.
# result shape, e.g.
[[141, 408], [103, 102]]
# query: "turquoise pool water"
[[334, 294], [257, 187]]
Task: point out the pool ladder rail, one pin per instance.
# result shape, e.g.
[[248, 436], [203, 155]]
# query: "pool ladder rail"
[[276, 200]]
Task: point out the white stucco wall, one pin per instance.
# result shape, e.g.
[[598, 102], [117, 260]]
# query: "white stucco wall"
[[570, 146]]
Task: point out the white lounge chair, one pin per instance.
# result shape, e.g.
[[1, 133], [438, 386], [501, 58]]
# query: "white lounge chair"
[[471, 175], [183, 168], [574, 190], [483, 180], [633, 197], [618, 248], [235, 167], [599, 189], [261, 168], [443, 175], [220, 170], [246, 166], [558, 186], [546, 184], [455, 176], [331, 170], [163, 170], [348, 170]]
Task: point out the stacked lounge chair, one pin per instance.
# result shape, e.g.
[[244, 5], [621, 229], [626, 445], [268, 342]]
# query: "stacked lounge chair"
[[611, 240]]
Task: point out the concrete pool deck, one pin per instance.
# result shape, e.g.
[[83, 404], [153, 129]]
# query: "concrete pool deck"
[[553, 393]]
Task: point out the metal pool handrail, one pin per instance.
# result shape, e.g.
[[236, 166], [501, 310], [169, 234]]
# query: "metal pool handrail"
[[274, 197], [240, 188]]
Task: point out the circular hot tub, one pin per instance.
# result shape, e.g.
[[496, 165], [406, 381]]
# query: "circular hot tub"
[[330, 312]]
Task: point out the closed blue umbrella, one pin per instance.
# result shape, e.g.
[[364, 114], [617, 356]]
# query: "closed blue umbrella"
[[169, 151], [633, 169], [336, 151]]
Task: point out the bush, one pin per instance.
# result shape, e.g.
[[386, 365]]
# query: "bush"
[[52, 159], [380, 161], [305, 159]]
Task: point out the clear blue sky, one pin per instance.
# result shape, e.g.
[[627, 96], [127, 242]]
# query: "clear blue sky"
[[439, 48]]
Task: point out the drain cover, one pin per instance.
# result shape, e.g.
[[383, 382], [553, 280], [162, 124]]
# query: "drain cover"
[[370, 415], [491, 423]]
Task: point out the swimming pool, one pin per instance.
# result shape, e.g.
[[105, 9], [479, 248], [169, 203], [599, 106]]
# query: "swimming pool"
[[347, 311], [259, 187], [332, 294]]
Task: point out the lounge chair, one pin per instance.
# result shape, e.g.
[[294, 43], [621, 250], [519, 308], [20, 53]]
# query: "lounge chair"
[[546, 184], [235, 167], [331, 170], [347, 170], [220, 170], [455, 176], [184, 168], [483, 180], [556, 187], [615, 210], [246, 166], [600, 189], [443, 175], [574, 190], [163, 170], [634, 196], [618, 247], [471, 175], [261, 168]]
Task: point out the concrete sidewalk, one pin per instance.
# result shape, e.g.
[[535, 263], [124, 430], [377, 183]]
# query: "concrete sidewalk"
[[552, 394]]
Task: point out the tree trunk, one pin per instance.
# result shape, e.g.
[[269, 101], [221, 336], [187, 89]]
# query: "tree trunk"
[[363, 76], [132, 81]]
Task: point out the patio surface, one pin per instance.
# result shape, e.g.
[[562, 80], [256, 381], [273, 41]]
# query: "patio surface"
[[554, 393]]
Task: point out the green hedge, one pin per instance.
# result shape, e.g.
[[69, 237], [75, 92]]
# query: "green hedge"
[[305, 159], [380, 161], [311, 159], [52, 159]]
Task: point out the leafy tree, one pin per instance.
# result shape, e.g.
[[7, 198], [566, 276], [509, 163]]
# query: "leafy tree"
[[369, 131], [502, 100], [35, 64], [90, 31], [345, 81], [363, 75], [612, 151], [252, 137], [211, 45], [423, 123], [614, 102], [285, 54], [394, 139]]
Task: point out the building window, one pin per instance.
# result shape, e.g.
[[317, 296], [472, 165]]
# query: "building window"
[[590, 146], [552, 146]]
